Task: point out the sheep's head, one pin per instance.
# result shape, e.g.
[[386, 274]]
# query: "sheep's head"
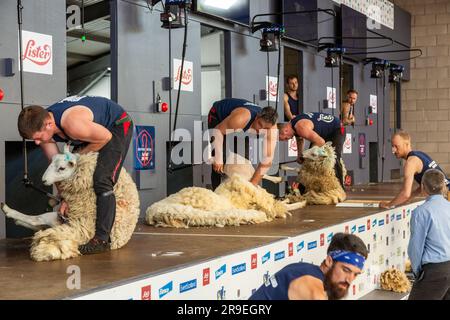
[[61, 168], [323, 157]]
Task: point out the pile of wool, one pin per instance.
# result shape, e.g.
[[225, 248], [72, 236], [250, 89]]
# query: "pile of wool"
[[395, 280], [235, 202]]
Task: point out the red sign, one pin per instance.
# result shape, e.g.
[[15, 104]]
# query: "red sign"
[[404, 213], [354, 289], [273, 88], [346, 229], [206, 276], [322, 239], [387, 218], [39, 55], [146, 293], [254, 262], [291, 249], [187, 75], [368, 224]]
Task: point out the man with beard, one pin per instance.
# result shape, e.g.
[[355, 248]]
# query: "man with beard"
[[416, 164], [331, 280]]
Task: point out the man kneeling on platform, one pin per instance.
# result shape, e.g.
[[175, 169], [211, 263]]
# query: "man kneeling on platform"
[[303, 281], [417, 163]]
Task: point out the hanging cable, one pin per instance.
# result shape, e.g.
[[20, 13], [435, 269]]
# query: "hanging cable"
[[278, 74], [383, 155], [268, 79], [333, 105]]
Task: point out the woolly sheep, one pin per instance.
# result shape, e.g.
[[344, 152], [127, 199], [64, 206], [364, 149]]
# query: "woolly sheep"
[[61, 241]]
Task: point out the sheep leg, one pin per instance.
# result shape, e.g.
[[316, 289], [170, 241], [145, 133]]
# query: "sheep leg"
[[273, 179], [287, 168], [36, 223]]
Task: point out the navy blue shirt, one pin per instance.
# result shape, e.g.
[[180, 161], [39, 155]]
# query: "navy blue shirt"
[[226, 106], [105, 111], [277, 286], [325, 125], [293, 105], [427, 164]]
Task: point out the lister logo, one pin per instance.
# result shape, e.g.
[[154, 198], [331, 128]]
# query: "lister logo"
[[187, 76], [38, 54], [254, 261], [146, 293], [206, 276]]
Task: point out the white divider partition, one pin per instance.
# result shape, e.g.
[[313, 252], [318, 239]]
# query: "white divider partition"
[[236, 276]]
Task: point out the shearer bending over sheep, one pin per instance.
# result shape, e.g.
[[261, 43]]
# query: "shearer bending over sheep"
[[318, 128], [90, 124], [230, 115]]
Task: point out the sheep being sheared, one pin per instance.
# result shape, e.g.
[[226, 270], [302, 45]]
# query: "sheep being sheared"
[[74, 173], [318, 177], [236, 201]]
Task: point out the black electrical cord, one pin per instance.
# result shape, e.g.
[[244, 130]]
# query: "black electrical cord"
[[169, 160], [268, 79], [278, 73], [332, 91], [362, 38], [383, 155], [26, 179]]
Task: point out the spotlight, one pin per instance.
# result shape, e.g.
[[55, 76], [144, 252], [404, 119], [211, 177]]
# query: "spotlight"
[[173, 15], [271, 38], [395, 73], [378, 68], [334, 56]]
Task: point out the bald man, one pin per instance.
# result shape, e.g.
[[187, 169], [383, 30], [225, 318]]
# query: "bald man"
[[416, 164]]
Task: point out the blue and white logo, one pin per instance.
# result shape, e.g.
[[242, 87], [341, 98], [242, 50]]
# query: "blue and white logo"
[[381, 222], [238, 269], [329, 237], [280, 255], [221, 271], [166, 289], [374, 223], [300, 246], [392, 217], [266, 257], [188, 285], [361, 228], [312, 245], [354, 229], [399, 217]]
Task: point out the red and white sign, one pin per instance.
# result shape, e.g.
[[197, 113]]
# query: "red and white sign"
[[331, 97], [291, 249], [254, 261], [206, 276], [37, 52], [187, 80], [368, 224], [146, 293], [374, 103], [272, 86], [322, 239], [292, 147], [347, 144]]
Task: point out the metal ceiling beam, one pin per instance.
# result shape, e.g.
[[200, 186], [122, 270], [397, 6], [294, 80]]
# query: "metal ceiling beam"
[[89, 37], [81, 57], [94, 12]]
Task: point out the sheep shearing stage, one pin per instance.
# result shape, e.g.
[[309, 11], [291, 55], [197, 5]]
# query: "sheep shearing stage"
[[318, 176], [61, 241]]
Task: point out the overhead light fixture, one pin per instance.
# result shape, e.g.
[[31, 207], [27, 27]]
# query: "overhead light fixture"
[[173, 15], [271, 38], [378, 68], [334, 56], [220, 4], [395, 73]]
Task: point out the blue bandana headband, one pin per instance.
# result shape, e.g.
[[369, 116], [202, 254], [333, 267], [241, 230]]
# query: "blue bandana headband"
[[352, 258]]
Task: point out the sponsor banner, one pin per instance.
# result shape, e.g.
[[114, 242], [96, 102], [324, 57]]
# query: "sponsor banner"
[[254, 261], [37, 52], [206, 276], [238, 269], [188, 285], [272, 86], [265, 258], [279, 256], [331, 97], [146, 293], [221, 271], [187, 80], [300, 246], [165, 290], [312, 245], [374, 103], [292, 148], [347, 148], [144, 148]]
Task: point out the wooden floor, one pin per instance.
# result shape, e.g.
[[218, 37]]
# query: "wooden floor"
[[21, 278]]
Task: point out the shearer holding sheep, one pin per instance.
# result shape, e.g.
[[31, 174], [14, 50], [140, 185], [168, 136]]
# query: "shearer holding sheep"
[[232, 115], [91, 124], [318, 128]]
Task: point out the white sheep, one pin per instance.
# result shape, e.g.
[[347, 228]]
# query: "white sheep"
[[74, 173], [318, 177]]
